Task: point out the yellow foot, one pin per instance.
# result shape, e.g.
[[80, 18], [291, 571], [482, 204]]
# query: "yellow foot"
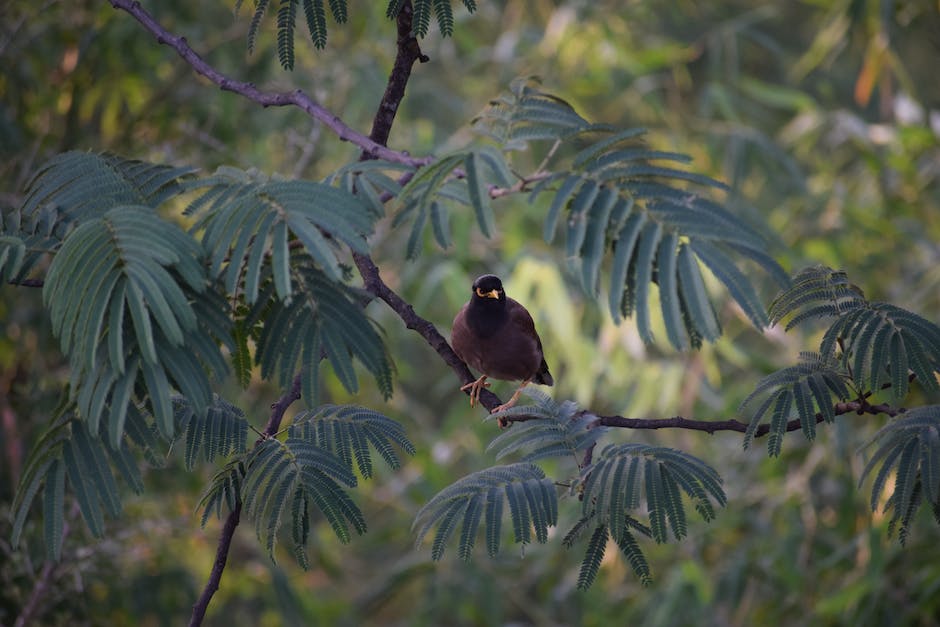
[[475, 389], [502, 423]]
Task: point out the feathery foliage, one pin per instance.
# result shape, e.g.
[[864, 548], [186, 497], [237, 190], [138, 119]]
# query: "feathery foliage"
[[280, 481], [248, 224], [70, 453], [816, 292], [315, 16], [882, 344], [557, 429], [348, 432], [877, 345], [806, 390], [461, 178], [533, 504], [617, 196], [909, 447], [597, 547], [121, 293], [626, 473], [324, 319], [225, 489], [613, 196], [291, 478], [72, 188], [220, 431]]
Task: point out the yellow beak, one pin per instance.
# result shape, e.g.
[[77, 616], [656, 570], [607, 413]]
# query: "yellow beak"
[[490, 294]]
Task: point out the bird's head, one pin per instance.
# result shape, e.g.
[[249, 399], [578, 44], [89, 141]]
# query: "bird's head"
[[488, 289]]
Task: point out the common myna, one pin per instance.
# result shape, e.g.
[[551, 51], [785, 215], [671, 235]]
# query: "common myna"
[[495, 335]]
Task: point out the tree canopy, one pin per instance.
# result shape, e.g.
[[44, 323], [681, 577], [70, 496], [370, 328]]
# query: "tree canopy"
[[234, 238]]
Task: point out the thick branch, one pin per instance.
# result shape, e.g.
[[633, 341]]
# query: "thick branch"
[[408, 53], [295, 98]]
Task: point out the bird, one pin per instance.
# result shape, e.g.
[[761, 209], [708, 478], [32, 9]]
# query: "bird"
[[496, 336]]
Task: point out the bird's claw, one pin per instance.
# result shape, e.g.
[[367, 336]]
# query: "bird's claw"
[[475, 388]]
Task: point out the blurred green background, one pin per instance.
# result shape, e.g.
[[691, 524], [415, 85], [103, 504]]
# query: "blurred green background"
[[824, 115]]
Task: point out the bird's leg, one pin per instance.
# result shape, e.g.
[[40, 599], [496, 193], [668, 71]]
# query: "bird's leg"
[[475, 388], [502, 422]]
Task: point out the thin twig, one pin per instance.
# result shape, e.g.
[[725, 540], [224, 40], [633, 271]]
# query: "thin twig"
[[45, 580]]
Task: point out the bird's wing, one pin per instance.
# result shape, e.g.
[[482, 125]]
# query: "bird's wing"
[[522, 321]]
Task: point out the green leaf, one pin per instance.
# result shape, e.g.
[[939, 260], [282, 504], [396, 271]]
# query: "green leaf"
[[348, 431], [530, 495]]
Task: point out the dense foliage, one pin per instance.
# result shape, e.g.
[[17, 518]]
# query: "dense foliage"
[[165, 298]]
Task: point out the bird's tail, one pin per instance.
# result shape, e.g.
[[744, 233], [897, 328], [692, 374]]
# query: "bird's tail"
[[543, 376]]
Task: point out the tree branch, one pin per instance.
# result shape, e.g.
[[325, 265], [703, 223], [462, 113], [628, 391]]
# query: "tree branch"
[[713, 426], [44, 581], [295, 98], [27, 282], [408, 52], [231, 522], [426, 329]]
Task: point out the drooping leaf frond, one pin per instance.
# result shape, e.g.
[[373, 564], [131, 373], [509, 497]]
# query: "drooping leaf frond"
[[248, 225], [883, 344], [597, 547], [315, 16], [527, 113], [286, 19], [375, 181], [909, 448], [557, 430], [123, 293], [816, 292], [12, 255], [533, 504], [804, 391], [69, 457], [74, 187], [220, 431], [348, 432], [290, 479], [225, 489], [323, 320], [624, 474], [617, 199], [461, 178]]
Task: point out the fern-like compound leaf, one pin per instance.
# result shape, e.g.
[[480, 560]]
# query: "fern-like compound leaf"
[[244, 221], [624, 473], [121, 293], [554, 430], [324, 320], [883, 344], [69, 458], [287, 479], [909, 448], [815, 292], [809, 388], [220, 431], [350, 432], [531, 500]]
